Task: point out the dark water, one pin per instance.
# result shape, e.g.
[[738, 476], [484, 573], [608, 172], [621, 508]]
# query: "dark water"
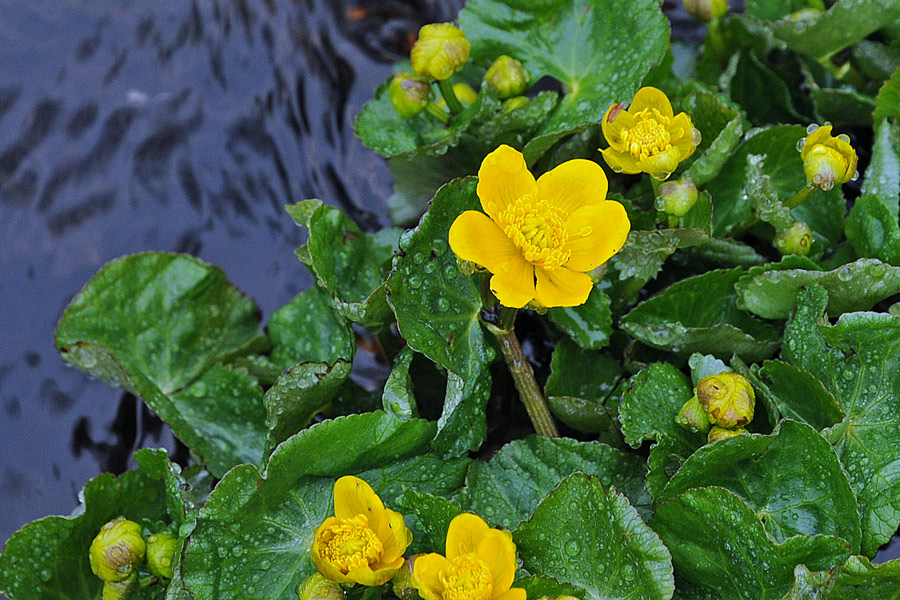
[[133, 125]]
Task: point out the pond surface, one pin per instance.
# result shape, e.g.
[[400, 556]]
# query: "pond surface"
[[177, 125]]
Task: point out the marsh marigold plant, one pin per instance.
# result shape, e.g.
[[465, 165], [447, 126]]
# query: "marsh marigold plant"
[[648, 137], [363, 542], [540, 237], [479, 564], [827, 160]]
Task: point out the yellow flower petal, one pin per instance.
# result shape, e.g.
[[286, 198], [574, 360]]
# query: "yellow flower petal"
[[573, 184], [616, 120], [324, 567], [595, 234], [426, 575], [502, 179], [475, 237], [353, 496], [621, 162], [816, 137], [513, 283], [394, 535], [464, 534], [682, 137], [660, 166], [562, 287], [498, 552], [379, 576], [512, 594], [650, 97]]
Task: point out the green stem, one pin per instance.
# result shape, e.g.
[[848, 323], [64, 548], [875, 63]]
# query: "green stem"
[[800, 197], [523, 375], [450, 98], [147, 581], [438, 113]]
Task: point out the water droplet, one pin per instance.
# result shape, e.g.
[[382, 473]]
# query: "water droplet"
[[265, 564], [573, 548], [45, 575], [844, 138], [800, 143], [418, 258], [811, 128], [855, 176], [414, 281], [845, 274], [443, 304], [628, 573], [450, 271], [429, 268], [198, 390]]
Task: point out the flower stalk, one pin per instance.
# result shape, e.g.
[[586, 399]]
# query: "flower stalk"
[[449, 96]]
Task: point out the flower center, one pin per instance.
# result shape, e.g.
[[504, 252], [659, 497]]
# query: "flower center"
[[538, 230], [467, 578], [824, 165], [350, 543], [649, 135]]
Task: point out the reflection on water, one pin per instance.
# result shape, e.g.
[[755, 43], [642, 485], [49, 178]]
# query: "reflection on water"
[[134, 125]]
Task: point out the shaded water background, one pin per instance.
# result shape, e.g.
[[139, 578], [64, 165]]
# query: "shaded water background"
[[134, 125]]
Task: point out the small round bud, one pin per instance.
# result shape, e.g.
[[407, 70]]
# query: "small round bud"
[[507, 76], [676, 198], [693, 417], [120, 590], [720, 433], [402, 581], [706, 10], [728, 399], [160, 553], [117, 550], [511, 104], [441, 50], [409, 94], [316, 587], [796, 239], [827, 160]]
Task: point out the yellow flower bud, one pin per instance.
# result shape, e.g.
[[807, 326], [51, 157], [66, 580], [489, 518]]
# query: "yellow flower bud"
[[706, 10], [409, 94], [827, 160], [720, 433], [316, 587], [402, 581], [507, 76], [728, 399], [464, 92], [117, 550], [441, 50], [120, 590], [796, 239], [160, 553], [511, 104], [693, 417], [676, 198]]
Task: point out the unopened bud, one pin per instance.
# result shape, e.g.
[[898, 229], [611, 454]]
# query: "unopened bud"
[[120, 590], [796, 239], [441, 50], [693, 417], [402, 581], [728, 399], [720, 433], [160, 553], [507, 76], [464, 92], [827, 160], [409, 94], [316, 587], [117, 550], [676, 198], [511, 104], [706, 10]]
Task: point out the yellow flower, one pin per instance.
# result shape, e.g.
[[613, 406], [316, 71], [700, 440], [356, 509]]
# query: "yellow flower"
[[480, 564], [647, 137], [441, 50], [364, 542], [827, 160], [540, 238], [728, 399]]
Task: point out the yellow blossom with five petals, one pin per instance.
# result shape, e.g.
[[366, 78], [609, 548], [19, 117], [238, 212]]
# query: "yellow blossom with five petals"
[[363, 542], [648, 137], [540, 237], [479, 564]]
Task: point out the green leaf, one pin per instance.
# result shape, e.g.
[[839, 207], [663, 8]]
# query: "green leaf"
[[772, 10], [48, 559], [252, 537], [506, 490], [762, 92], [859, 579], [887, 104], [299, 394], [858, 360], [573, 42], [873, 230], [594, 539], [726, 252], [309, 328], [349, 264], [842, 107], [699, 314], [791, 479], [589, 324], [582, 415], [650, 404], [721, 127], [843, 24], [157, 323], [398, 399], [433, 515], [438, 309], [644, 251], [463, 423], [704, 365], [797, 394], [719, 545], [883, 173], [855, 286], [582, 373], [538, 586]]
